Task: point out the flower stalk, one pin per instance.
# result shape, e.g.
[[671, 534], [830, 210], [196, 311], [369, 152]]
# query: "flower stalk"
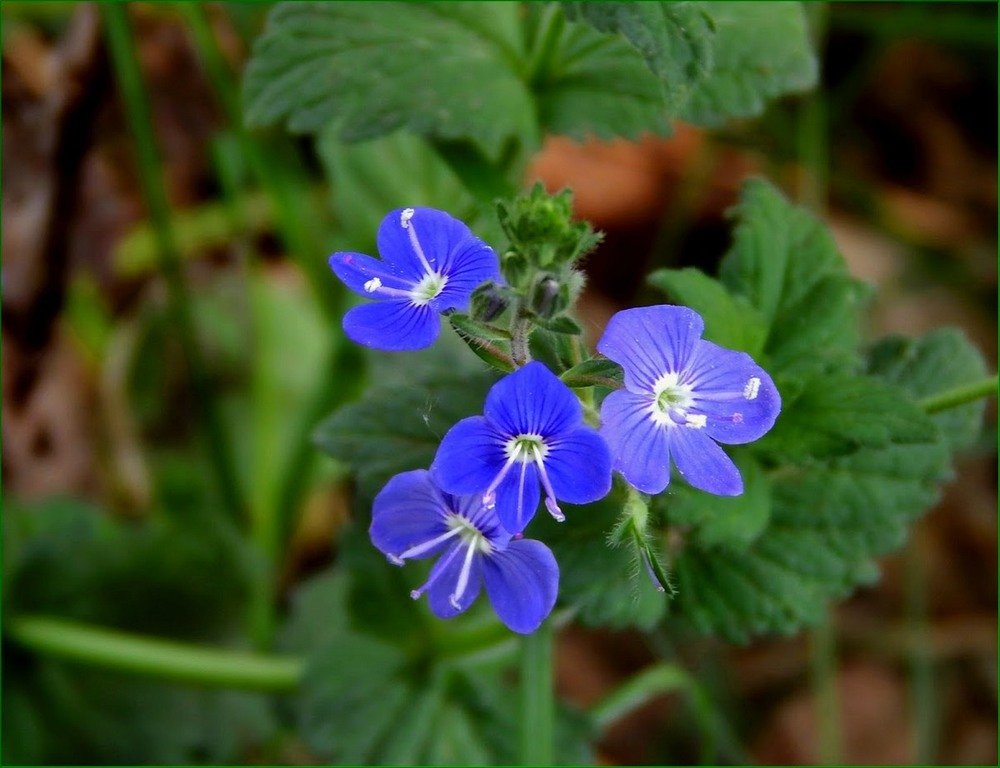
[[537, 698]]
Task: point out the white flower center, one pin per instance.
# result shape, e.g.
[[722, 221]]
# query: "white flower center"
[[428, 289], [524, 448], [671, 401], [468, 533]]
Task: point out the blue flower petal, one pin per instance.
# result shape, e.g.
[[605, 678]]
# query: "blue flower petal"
[[703, 464], [437, 232], [640, 449], [469, 457], [736, 395], [393, 325], [470, 265], [485, 520], [356, 269], [444, 577], [515, 516], [408, 511], [579, 466], [533, 400], [522, 583], [650, 341]]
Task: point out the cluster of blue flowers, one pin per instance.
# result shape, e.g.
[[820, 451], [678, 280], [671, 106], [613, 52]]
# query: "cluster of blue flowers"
[[682, 397]]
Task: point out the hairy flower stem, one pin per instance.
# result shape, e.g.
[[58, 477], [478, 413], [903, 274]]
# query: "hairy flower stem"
[[520, 330], [537, 697], [961, 395]]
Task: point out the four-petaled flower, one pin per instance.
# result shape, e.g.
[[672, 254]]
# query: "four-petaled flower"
[[532, 431], [413, 518], [682, 396], [431, 262]]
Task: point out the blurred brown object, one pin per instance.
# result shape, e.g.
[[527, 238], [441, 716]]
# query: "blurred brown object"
[[50, 95], [874, 723]]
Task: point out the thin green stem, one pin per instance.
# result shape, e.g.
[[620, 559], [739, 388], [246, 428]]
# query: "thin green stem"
[[961, 395], [278, 171], [537, 697], [165, 659], [126, 66], [921, 673], [823, 668], [550, 28], [660, 680]]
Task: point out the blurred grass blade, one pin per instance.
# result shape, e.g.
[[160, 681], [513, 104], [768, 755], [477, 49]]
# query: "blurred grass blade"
[[154, 657], [126, 67]]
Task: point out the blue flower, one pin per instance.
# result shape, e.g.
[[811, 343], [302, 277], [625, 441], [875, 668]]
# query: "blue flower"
[[413, 519], [682, 397], [431, 263], [532, 421]]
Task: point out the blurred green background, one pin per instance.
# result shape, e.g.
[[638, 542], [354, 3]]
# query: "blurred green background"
[[112, 513]]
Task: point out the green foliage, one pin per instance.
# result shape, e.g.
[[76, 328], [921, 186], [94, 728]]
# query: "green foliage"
[[837, 413], [180, 578], [761, 51], [730, 321], [496, 74], [601, 576], [399, 422], [722, 521], [931, 364], [786, 264], [852, 459], [596, 372], [447, 70], [598, 85], [409, 696], [370, 178], [675, 40], [541, 230]]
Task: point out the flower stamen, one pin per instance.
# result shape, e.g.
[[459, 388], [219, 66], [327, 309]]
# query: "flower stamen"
[[404, 222], [441, 567], [419, 549], [550, 496], [463, 577]]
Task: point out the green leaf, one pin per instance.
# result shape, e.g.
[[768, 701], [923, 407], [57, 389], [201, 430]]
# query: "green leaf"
[[722, 521], [370, 178], [56, 713], [838, 413], [786, 264], [446, 70], [399, 423], [598, 85], [607, 584], [932, 364], [762, 50], [829, 519], [185, 578], [730, 321], [177, 577], [562, 324], [489, 343], [596, 372], [674, 38], [398, 698]]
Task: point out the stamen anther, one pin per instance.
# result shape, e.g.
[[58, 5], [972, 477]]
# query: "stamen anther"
[[373, 285]]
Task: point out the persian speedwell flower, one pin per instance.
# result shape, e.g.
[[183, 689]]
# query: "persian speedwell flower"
[[682, 397], [531, 432], [431, 262], [413, 518]]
